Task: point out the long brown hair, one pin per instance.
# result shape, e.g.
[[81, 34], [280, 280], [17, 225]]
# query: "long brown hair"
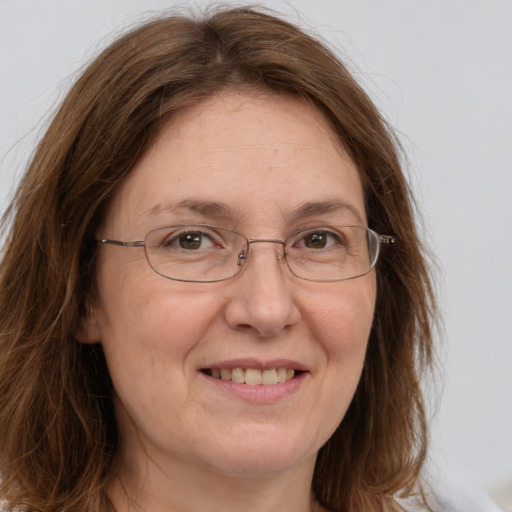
[[58, 434]]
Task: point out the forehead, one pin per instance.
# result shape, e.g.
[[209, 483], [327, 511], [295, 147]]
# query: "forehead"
[[253, 154]]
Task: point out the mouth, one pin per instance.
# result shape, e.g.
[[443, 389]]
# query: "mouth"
[[253, 376]]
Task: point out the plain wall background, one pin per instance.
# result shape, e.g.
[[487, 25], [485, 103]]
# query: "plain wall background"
[[442, 73]]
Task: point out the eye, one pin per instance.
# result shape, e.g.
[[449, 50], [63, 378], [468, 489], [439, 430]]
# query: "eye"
[[190, 241], [318, 239]]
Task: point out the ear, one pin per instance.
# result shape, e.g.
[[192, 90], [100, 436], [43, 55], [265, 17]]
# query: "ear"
[[89, 331]]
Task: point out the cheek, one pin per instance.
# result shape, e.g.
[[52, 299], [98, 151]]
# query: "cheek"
[[158, 319], [342, 327], [340, 320], [150, 329], [150, 335], [343, 315], [140, 307]]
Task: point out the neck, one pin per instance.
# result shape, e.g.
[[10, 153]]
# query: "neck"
[[185, 487]]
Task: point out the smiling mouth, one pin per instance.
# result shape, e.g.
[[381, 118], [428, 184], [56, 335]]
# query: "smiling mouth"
[[253, 376]]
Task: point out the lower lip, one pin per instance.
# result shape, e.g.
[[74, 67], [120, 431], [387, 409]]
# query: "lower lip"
[[262, 393]]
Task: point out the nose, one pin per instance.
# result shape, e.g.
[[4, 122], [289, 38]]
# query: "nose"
[[262, 299]]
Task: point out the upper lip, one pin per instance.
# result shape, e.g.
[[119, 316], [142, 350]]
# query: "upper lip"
[[256, 363]]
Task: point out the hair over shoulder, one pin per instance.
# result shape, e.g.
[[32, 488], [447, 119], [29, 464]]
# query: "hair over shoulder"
[[58, 434]]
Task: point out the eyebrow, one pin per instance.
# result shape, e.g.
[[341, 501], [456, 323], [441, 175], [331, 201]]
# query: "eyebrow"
[[313, 208], [213, 209], [219, 210]]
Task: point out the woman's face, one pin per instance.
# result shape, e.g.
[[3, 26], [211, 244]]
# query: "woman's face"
[[266, 166]]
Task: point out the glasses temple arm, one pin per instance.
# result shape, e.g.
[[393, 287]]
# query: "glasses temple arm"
[[122, 244]]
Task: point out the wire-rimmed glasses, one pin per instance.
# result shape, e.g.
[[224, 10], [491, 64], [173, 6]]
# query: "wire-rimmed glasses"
[[206, 253]]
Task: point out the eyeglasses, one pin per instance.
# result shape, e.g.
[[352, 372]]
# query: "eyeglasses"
[[205, 253]]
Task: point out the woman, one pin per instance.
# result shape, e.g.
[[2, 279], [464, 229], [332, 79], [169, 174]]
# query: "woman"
[[193, 314]]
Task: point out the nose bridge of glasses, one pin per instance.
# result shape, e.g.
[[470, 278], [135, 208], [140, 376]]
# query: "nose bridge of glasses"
[[267, 240], [243, 256]]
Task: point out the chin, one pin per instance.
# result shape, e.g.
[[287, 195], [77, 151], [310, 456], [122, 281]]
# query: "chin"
[[261, 464], [264, 453]]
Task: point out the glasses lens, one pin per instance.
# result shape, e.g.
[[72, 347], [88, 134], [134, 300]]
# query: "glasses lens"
[[195, 252], [332, 253]]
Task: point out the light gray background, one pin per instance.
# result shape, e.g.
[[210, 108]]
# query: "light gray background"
[[441, 70]]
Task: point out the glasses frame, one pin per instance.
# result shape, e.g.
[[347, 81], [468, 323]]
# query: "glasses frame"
[[386, 240]]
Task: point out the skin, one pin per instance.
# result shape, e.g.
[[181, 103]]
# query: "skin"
[[186, 444]]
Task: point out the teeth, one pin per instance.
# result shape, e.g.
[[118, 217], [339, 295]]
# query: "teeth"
[[269, 377], [237, 375], [254, 376]]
